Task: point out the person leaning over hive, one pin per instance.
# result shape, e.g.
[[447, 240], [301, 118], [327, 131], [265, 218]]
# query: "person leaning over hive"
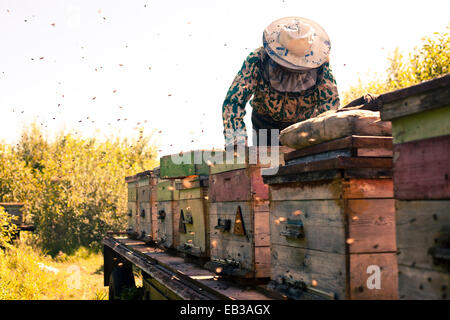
[[289, 78]]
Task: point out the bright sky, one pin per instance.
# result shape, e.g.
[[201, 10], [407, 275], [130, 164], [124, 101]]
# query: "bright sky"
[[169, 62]]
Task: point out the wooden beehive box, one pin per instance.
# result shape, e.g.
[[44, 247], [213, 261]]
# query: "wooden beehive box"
[[167, 214], [239, 223], [420, 118], [192, 215], [147, 205], [332, 223], [185, 164], [132, 206]]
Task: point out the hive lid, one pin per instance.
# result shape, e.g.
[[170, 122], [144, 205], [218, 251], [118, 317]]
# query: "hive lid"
[[424, 96], [184, 164]]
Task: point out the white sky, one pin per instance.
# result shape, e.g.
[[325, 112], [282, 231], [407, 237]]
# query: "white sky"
[[194, 49]]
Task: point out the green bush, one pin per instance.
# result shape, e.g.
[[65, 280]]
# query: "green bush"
[[73, 188], [7, 228]]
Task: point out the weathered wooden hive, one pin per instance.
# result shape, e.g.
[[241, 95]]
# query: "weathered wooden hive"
[[193, 213], [147, 205], [420, 118], [132, 206], [239, 219], [332, 210], [167, 214], [190, 220]]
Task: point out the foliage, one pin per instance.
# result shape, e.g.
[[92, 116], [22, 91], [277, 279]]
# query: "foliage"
[[430, 60], [27, 273], [73, 188], [7, 228]]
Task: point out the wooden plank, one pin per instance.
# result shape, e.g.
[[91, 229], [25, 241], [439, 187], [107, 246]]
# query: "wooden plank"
[[362, 280], [192, 193], [262, 228], [333, 189], [349, 142], [321, 156], [318, 190], [230, 186], [428, 124], [415, 101], [422, 284], [373, 152], [259, 190], [420, 226], [422, 169], [291, 264], [368, 173], [154, 214], [262, 262], [368, 188], [371, 225], [303, 177], [337, 163], [323, 224], [337, 144]]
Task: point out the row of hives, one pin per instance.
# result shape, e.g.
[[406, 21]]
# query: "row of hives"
[[331, 222]]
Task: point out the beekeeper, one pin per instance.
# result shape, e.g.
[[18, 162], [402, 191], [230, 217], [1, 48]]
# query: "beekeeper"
[[289, 78]]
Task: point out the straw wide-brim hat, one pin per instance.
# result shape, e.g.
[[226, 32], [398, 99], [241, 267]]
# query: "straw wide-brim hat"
[[297, 43]]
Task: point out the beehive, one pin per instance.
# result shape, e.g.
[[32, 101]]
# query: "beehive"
[[239, 223], [132, 206], [192, 214], [147, 205], [420, 118], [167, 214], [332, 221]]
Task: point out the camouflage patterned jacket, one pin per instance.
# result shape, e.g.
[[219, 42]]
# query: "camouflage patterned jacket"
[[280, 106]]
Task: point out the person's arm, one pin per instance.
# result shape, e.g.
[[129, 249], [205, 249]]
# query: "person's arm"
[[327, 92], [233, 109]]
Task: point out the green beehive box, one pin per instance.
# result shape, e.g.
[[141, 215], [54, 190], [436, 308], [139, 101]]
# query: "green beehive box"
[[186, 164]]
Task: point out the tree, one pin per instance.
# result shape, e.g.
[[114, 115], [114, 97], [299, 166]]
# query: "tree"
[[430, 60]]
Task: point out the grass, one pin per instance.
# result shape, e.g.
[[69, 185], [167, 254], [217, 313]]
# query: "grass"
[[28, 273]]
